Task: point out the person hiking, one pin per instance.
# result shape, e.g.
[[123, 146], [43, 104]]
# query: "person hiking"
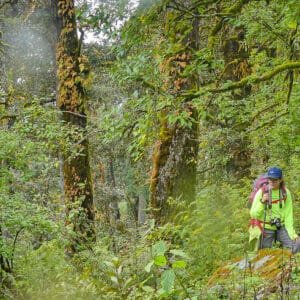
[[272, 214]]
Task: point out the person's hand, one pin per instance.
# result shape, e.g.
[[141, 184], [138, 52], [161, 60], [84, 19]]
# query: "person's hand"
[[265, 198]]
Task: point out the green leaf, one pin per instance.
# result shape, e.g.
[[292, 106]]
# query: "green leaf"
[[148, 289], [167, 280], [179, 253], [109, 264], [149, 265], [160, 260], [159, 248], [114, 279], [292, 24], [116, 261], [179, 264]]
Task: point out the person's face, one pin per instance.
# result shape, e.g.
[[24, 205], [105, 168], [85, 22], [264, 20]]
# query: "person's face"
[[274, 183]]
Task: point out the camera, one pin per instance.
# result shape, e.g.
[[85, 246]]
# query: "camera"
[[276, 222]]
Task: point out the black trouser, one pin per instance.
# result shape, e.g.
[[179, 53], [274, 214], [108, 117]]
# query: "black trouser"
[[282, 236]]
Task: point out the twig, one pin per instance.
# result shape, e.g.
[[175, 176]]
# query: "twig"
[[207, 169], [291, 82], [182, 10], [269, 122], [263, 110], [255, 116], [266, 25], [150, 85], [235, 61], [129, 129], [14, 248], [73, 113]]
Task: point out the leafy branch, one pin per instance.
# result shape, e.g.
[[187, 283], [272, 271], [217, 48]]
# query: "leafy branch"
[[256, 79], [252, 79], [269, 122]]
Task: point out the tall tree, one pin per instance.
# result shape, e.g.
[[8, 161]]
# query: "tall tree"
[[236, 54], [71, 100], [175, 153]]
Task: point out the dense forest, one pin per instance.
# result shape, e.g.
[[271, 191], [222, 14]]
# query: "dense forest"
[[131, 134]]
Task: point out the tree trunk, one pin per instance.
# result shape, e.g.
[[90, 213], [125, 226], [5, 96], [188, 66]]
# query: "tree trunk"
[[175, 153], [236, 55], [71, 101]]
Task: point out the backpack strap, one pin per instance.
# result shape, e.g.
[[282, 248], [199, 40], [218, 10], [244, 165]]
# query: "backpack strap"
[[282, 194], [265, 188], [280, 200]]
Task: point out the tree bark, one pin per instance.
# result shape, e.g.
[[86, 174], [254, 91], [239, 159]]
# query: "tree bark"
[[174, 158], [237, 67], [71, 100]]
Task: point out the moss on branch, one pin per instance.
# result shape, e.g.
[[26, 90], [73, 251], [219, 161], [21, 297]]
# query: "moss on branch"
[[252, 79]]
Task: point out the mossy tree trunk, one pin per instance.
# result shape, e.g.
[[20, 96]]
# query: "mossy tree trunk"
[[235, 53], [71, 101], [174, 158]]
